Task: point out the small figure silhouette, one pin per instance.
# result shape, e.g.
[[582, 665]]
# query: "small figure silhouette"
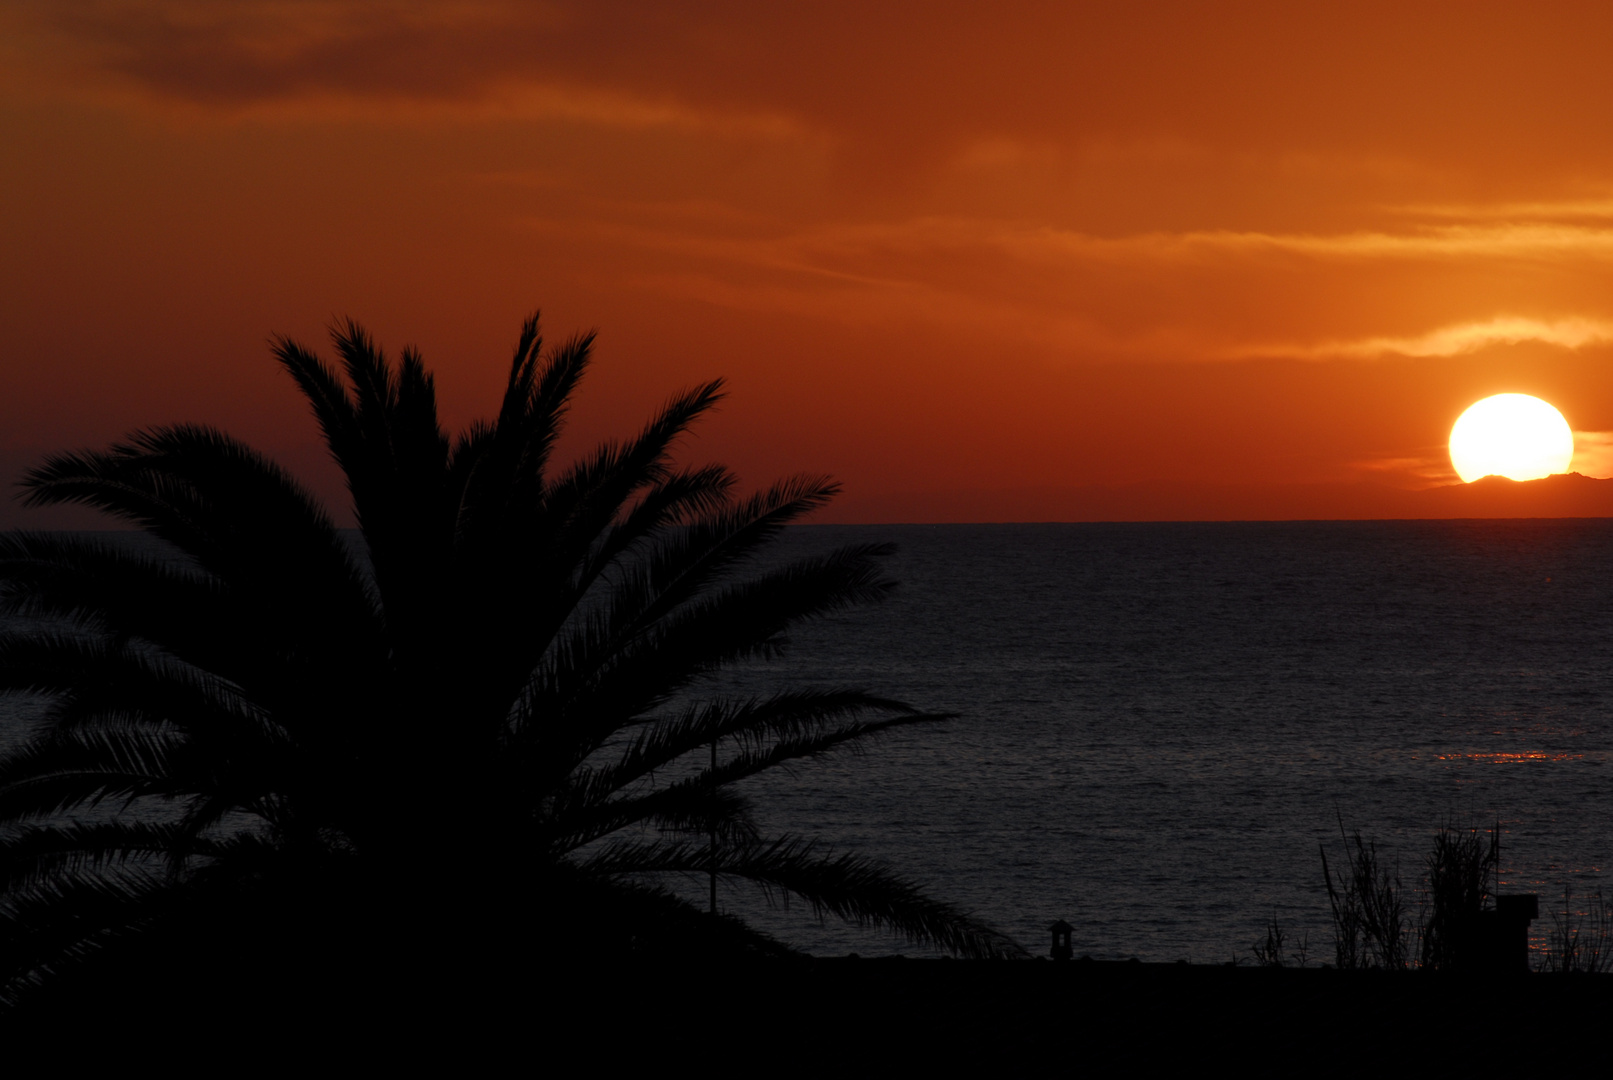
[[1061, 940]]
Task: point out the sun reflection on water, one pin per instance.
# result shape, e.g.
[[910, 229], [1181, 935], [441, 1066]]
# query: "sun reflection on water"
[[1508, 757]]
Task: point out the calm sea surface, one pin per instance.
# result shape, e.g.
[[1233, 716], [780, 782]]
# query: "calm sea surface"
[[1159, 723]]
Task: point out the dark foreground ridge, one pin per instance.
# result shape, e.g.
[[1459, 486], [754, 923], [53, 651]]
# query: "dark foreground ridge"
[[856, 1014]]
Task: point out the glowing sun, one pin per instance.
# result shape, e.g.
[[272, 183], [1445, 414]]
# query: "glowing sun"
[[1511, 435]]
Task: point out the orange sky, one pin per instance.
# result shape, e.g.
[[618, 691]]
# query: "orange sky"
[[974, 260]]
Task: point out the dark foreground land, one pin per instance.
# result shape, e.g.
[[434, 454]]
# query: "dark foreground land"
[[855, 1015], [1136, 1017]]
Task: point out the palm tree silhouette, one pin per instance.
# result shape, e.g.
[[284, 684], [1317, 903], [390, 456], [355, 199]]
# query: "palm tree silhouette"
[[477, 731]]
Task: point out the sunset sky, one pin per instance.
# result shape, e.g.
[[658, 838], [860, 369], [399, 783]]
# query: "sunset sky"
[[979, 262]]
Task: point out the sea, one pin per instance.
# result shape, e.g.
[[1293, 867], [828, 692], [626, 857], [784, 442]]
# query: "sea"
[[1158, 727]]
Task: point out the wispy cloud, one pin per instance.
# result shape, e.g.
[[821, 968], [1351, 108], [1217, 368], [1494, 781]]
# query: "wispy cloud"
[[509, 99], [1426, 242], [1457, 339], [1537, 211], [1042, 246], [1057, 286], [1432, 466]]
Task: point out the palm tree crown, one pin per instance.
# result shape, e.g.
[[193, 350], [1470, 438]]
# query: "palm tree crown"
[[481, 726]]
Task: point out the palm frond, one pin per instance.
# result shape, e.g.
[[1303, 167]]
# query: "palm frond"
[[750, 723], [51, 925], [582, 814], [593, 812], [855, 889], [85, 766], [76, 579], [683, 495], [32, 853], [614, 669], [87, 676], [640, 921]]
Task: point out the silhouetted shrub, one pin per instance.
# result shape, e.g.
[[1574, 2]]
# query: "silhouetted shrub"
[[1459, 870], [1369, 922]]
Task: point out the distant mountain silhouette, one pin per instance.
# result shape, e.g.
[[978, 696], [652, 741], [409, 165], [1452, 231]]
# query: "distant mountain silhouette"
[[1564, 495]]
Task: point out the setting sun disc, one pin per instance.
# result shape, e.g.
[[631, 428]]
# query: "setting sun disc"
[[1512, 435]]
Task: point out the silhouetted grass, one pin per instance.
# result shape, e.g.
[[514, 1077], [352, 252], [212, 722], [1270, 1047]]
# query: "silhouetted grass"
[[1580, 942], [1270, 952], [1367, 900]]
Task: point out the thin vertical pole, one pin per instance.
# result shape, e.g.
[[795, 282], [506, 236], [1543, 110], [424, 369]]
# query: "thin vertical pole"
[[713, 825]]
